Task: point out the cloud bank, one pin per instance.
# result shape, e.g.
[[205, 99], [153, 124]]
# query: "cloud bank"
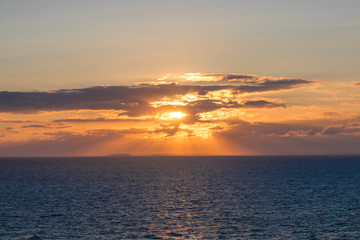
[[193, 113], [136, 98]]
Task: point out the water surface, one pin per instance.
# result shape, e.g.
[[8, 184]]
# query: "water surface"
[[180, 198]]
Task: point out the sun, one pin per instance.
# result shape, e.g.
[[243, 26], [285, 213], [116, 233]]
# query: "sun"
[[177, 115], [172, 115]]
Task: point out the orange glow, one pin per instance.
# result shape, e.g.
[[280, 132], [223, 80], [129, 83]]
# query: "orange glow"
[[180, 119], [172, 115], [178, 100], [176, 115]]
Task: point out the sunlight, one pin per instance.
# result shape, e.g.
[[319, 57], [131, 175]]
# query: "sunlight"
[[172, 115], [176, 115]]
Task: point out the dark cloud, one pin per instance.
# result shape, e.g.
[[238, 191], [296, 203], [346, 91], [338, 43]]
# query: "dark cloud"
[[233, 77], [11, 130], [15, 121], [100, 119], [340, 130], [211, 105], [289, 138], [356, 84], [43, 126], [252, 83], [246, 129], [294, 145], [262, 104], [333, 130], [273, 85], [217, 128], [135, 100], [332, 114], [168, 129], [35, 126], [113, 133], [96, 98], [243, 129]]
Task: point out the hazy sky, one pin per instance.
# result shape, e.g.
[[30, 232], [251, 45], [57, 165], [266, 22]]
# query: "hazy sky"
[[49, 44], [179, 77]]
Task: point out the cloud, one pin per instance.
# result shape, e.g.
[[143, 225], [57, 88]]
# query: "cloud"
[[222, 78], [262, 104], [356, 84], [15, 121], [224, 110], [239, 137], [292, 145], [232, 77], [288, 138], [43, 126], [271, 85], [246, 129], [319, 136], [11, 130], [99, 119], [168, 129], [201, 106], [193, 108], [111, 132], [135, 100], [341, 130]]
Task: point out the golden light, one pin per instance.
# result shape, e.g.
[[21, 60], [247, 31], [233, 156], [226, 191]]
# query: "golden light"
[[177, 115], [172, 115]]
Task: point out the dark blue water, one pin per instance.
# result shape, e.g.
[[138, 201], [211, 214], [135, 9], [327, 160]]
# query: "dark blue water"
[[180, 198]]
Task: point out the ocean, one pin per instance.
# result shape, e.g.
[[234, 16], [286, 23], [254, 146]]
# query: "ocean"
[[168, 197]]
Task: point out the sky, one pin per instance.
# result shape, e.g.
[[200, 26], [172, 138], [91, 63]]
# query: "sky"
[[200, 77]]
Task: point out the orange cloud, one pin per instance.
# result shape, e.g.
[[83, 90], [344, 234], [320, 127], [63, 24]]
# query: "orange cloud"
[[226, 113]]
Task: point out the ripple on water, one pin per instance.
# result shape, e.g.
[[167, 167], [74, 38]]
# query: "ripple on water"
[[180, 198]]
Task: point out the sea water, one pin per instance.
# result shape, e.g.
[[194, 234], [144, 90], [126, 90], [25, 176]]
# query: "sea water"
[[168, 197]]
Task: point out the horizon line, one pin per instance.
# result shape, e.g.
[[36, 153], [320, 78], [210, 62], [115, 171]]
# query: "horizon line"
[[197, 155]]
